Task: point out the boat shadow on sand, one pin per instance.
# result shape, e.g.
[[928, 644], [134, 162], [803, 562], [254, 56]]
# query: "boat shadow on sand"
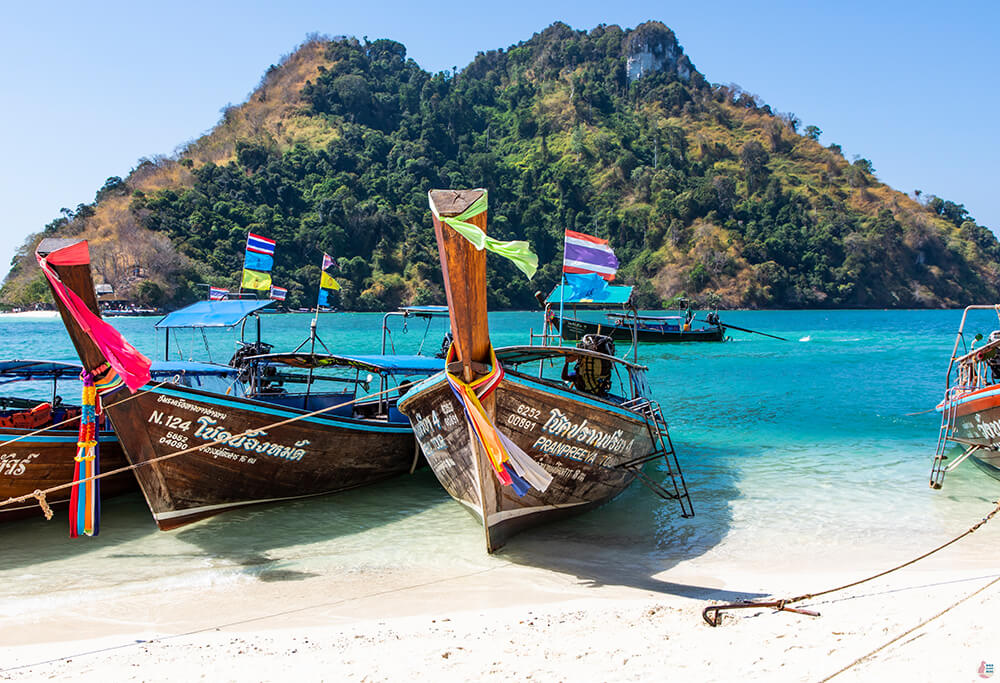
[[638, 535]]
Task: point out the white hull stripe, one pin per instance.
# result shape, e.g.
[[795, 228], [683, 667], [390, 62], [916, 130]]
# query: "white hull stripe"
[[186, 512]]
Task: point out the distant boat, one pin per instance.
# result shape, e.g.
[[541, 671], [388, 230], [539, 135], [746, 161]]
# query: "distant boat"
[[353, 444], [513, 447], [625, 324], [970, 409]]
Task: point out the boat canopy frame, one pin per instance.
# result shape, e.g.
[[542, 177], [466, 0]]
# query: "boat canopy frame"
[[428, 313], [208, 314]]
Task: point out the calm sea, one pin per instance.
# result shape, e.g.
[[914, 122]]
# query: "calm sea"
[[800, 450]]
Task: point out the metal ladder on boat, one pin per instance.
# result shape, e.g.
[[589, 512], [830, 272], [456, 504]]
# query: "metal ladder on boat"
[[946, 435], [663, 448]]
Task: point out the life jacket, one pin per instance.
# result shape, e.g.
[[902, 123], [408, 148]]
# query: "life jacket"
[[39, 416], [593, 375]]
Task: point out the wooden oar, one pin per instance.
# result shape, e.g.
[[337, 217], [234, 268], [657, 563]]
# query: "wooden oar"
[[743, 329]]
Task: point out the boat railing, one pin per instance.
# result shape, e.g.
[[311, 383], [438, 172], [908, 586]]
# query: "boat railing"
[[960, 337]]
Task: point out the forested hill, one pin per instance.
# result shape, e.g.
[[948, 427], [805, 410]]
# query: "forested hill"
[[701, 188]]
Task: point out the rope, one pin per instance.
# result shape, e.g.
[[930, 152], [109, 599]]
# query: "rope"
[[947, 609], [782, 605], [168, 456], [46, 508]]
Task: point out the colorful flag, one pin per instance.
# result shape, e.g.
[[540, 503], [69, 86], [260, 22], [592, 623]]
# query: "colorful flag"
[[326, 284], [588, 254], [253, 279], [217, 294], [254, 261], [260, 245], [278, 293]]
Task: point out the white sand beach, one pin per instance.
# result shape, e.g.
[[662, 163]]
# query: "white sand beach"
[[580, 622]]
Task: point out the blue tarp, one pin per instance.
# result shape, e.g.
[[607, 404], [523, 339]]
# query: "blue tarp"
[[614, 295], [213, 313]]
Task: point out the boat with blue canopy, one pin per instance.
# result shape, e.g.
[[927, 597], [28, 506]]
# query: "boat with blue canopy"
[[201, 452], [624, 324], [39, 429]]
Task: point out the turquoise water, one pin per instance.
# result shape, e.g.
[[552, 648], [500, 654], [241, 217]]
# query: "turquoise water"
[[797, 450]]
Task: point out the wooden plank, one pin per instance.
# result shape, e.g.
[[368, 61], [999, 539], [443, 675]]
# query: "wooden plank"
[[464, 270]]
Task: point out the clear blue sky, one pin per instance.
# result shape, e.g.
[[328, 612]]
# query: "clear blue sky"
[[90, 88]]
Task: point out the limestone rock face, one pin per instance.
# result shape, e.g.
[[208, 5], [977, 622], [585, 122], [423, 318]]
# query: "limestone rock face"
[[653, 48]]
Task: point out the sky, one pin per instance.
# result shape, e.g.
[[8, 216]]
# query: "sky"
[[89, 89]]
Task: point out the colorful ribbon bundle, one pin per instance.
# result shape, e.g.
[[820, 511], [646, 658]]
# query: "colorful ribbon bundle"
[[85, 496], [511, 465]]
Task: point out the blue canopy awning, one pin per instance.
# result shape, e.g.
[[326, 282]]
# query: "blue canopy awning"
[[226, 313], [13, 370], [381, 364], [39, 369], [166, 368], [425, 310], [613, 295]]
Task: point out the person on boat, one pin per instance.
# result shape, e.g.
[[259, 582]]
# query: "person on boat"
[[591, 375], [688, 317]]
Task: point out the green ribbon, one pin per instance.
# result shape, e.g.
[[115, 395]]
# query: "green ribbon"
[[518, 251]]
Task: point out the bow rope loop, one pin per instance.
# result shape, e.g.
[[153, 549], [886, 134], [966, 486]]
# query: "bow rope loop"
[[517, 251], [85, 496], [511, 465]]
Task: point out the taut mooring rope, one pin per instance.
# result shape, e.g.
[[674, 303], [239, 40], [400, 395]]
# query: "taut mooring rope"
[[712, 615]]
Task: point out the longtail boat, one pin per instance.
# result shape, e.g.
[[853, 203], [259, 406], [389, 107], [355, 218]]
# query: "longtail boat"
[[34, 453], [970, 409], [38, 439], [351, 443], [625, 324], [512, 446]]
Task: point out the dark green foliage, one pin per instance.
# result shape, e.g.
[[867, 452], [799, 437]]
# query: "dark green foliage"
[[559, 135]]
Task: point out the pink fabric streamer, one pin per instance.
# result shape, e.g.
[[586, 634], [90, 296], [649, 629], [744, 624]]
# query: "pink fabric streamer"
[[131, 365]]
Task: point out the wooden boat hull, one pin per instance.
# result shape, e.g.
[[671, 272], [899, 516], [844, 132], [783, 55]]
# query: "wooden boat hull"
[[551, 425], [573, 330], [45, 460], [313, 456], [977, 422]]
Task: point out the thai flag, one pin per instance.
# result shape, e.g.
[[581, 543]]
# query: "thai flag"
[[588, 254], [278, 293], [327, 261], [260, 245], [217, 294]]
